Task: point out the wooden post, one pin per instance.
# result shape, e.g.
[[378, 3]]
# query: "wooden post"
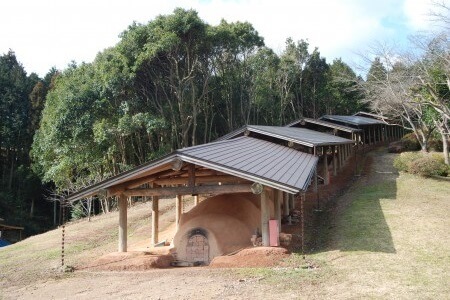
[[374, 134], [326, 175], [302, 224], [340, 159], [122, 203], [315, 180], [292, 201], [285, 204], [178, 209], [265, 215], [370, 139], [196, 200], [334, 161], [277, 202], [155, 219]]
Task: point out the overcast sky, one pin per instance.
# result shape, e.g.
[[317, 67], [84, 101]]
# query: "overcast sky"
[[46, 33]]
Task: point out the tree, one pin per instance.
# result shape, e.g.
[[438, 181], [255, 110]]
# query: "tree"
[[19, 186], [233, 45], [388, 91], [343, 89], [315, 80]]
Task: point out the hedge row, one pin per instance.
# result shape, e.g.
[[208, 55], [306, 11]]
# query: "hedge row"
[[423, 164]]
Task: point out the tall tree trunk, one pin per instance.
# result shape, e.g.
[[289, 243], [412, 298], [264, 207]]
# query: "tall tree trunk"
[[11, 171], [32, 208], [445, 148]]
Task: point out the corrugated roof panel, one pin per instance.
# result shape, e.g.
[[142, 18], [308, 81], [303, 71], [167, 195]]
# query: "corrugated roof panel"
[[300, 162], [244, 157], [300, 135], [352, 120], [258, 158], [232, 134], [324, 124], [304, 179]]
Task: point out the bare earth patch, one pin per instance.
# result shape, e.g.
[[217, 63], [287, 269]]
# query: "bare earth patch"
[[252, 257]]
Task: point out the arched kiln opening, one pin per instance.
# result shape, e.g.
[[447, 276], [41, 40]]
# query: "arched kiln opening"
[[197, 247]]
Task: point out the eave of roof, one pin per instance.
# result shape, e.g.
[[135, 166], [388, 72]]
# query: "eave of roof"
[[325, 124], [301, 136], [370, 115], [248, 167], [353, 120]]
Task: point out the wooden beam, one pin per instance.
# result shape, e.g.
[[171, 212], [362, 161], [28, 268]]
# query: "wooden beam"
[[326, 175], [285, 204], [155, 220], [277, 202], [122, 223], [291, 201], [265, 215], [117, 189], [178, 209], [334, 161], [199, 180], [186, 190]]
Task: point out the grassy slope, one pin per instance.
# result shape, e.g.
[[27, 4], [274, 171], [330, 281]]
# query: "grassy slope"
[[39, 257], [388, 239]]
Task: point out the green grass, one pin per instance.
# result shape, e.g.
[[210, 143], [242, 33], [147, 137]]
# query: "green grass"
[[389, 241]]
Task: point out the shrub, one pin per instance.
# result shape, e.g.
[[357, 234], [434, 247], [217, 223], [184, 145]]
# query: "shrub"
[[410, 142], [403, 161], [423, 164], [435, 144], [77, 211]]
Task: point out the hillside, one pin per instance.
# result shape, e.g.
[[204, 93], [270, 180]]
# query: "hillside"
[[385, 237]]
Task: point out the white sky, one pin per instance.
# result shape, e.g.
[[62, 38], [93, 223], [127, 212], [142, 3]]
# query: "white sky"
[[47, 33]]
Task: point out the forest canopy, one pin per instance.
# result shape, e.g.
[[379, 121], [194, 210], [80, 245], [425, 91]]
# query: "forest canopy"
[[177, 81]]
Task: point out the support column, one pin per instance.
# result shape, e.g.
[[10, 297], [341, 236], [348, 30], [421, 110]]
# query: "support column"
[[285, 204], [178, 209], [370, 139], [326, 175], [340, 159], [302, 232], [265, 215], [291, 201], [334, 161], [196, 200], [347, 151], [315, 180], [374, 135], [277, 203], [122, 203], [155, 220]]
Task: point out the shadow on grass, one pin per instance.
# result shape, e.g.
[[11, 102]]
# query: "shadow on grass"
[[362, 226], [356, 221]]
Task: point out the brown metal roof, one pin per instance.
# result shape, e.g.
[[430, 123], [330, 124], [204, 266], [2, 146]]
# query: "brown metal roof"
[[352, 120], [256, 160], [274, 165], [371, 115], [324, 124], [302, 136]]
